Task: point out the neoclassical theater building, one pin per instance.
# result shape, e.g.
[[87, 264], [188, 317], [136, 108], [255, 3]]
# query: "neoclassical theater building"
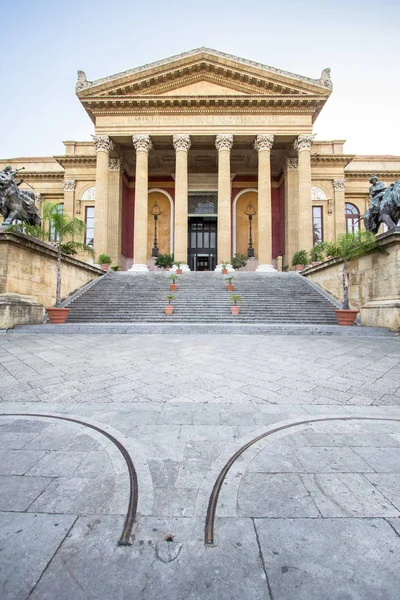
[[195, 144]]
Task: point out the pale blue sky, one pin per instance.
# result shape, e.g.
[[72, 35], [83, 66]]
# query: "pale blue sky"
[[43, 43]]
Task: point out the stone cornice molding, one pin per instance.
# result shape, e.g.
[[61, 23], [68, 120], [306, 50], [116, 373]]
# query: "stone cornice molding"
[[303, 142], [114, 164], [67, 161], [339, 184], [264, 141], [291, 164], [365, 175], [341, 159], [142, 143], [69, 185], [181, 142], [103, 143], [224, 141], [43, 175]]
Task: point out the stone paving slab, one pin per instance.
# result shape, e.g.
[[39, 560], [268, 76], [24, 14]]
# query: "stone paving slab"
[[323, 496]]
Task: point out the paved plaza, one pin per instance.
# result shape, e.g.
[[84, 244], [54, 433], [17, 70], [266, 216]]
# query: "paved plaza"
[[310, 512]]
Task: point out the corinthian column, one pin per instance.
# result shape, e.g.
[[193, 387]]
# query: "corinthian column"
[[291, 208], [305, 233], [182, 145], [224, 144], [263, 145], [103, 146], [115, 212], [339, 186], [69, 196], [143, 146]]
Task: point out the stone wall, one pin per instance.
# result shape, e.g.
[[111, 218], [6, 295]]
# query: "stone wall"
[[374, 282], [28, 268]]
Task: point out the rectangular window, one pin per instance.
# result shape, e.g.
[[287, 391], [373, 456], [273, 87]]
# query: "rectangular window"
[[52, 235], [318, 230], [89, 220]]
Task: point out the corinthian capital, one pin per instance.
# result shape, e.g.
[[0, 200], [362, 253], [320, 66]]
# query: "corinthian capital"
[[291, 163], [181, 142], [142, 143], [264, 141], [69, 185], [304, 142], [339, 184], [103, 142], [224, 141], [114, 164]]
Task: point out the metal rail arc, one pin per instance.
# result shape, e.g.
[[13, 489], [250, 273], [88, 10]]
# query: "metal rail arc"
[[212, 504], [133, 480]]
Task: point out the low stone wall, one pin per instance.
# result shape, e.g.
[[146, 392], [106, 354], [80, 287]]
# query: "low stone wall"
[[374, 282], [28, 273]]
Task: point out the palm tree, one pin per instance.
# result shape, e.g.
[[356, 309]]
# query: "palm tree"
[[62, 227], [347, 247]]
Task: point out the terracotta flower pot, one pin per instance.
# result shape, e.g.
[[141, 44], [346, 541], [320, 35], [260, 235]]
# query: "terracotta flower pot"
[[57, 315], [346, 317], [229, 287], [235, 310], [172, 287], [105, 266], [299, 267], [169, 309], [179, 271], [224, 271]]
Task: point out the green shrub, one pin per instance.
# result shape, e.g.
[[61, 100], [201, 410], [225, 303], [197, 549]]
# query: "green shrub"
[[318, 252], [238, 261], [300, 258], [105, 259], [164, 261]]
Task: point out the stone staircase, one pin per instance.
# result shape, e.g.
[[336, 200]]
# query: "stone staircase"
[[202, 298]]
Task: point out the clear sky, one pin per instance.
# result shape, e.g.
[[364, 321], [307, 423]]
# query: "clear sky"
[[43, 43]]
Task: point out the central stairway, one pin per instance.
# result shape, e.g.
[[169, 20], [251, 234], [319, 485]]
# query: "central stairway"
[[201, 298]]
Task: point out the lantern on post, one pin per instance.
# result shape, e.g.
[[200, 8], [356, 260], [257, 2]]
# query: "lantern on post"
[[250, 212], [156, 212]]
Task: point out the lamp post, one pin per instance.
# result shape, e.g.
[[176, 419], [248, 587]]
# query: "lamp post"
[[156, 212], [250, 212]]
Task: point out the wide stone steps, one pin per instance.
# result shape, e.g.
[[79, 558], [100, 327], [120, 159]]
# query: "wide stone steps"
[[201, 298]]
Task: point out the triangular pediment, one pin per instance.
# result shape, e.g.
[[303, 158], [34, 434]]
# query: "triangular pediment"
[[203, 72]]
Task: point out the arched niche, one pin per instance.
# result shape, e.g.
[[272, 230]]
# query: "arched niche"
[[165, 222], [241, 221]]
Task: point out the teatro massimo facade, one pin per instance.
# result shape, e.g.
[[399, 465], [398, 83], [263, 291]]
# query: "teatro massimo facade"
[[186, 149]]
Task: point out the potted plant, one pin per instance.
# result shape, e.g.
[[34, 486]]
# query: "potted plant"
[[172, 285], [300, 259], [169, 309], [178, 267], [62, 226], [317, 253], [239, 261], [347, 247], [229, 284], [224, 267], [164, 261], [105, 261], [235, 309]]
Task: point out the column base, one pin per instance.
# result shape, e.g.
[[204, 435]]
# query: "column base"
[[185, 268], [139, 268], [266, 269], [228, 267]]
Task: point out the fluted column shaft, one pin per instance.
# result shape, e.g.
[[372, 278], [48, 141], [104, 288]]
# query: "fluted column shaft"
[[182, 146], [224, 145], [291, 209], [263, 145], [339, 186], [305, 234], [143, 146], [103, 146], [115, 211]]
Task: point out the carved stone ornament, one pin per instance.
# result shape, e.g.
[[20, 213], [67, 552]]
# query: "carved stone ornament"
[[325, 79], [264, 141], [103, 142], [339, 184], [82, 82], [181, 142], [304, 142], [114, 164], [291, 163], [38, 199], [224, 141], [69, 185], [317, 193], [142, 143], [78, 207]]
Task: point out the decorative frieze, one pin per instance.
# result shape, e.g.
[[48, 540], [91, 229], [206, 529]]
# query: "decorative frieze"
[[69, 185], [224, 141], [303, 142], [181, 142], [114, 164], [339, 184], [103, 143], [291, 164], [264, 141], [142, 143]]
